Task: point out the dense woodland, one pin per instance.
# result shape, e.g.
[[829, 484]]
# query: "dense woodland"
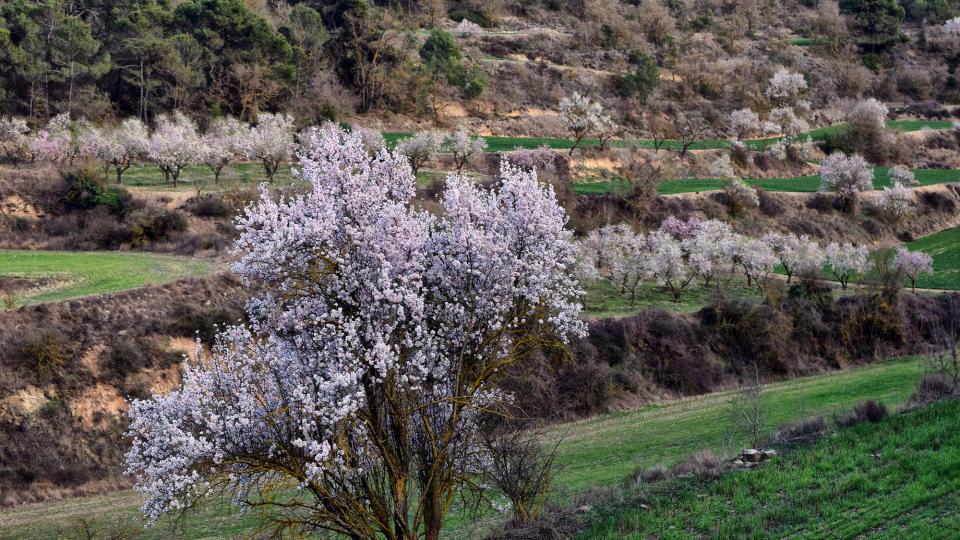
[[330, 60]]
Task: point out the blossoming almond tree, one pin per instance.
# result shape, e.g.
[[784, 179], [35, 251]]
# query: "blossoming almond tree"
[[846, 176], [420, 148], [174, 144], [271, 141], [462, 146], [15, 139], [847, 261], [351, 401], [118, 147], [225, 141], [797, 255], [911, 264], [581, 115]]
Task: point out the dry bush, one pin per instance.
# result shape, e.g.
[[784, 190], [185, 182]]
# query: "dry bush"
[[704, 463], [868, 411], [932, 387], [43, 351], [521, 468], [806, 430], [649, 475], [556, 523]]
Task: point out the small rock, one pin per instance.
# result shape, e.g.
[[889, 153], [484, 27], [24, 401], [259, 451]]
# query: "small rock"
[[769, 453], [738, 462], [584, 508]]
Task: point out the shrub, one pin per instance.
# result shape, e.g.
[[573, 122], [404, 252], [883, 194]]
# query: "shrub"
[[43, 351], [155, 224], [209, 205], [704, 463], [932, 388], [769, 204], [650, 475], [868, 411], [806, 430], [127, 357], [820, 202]]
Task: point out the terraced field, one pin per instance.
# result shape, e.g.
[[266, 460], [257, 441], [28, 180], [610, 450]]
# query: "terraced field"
[[595, 452], [69, 274], [944, 247], [796, 184], [506, 144]]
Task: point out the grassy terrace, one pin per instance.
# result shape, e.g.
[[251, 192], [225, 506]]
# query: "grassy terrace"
[[944, 247], [75, 274], [797, 184], [597, 451], [506, 144], [895, 479]]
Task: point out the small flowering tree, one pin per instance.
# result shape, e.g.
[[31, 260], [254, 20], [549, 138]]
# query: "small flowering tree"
[[119, 147], [667, 264], [174, 144], [605, 129], [61, 140], [420, 148], [847, 261], [372, 139], [744, 122], [541, 159], [709, 250], [846, 176], [797, 255], [463, 147], [271, 141], [626, 253], [911, 264], [896, 202], [15, 139], [225, 141], [755, 258], [785, 85], [352, 402], [903, 176], [580, 115]]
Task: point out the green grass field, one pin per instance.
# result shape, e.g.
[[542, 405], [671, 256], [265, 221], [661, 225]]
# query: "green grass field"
[[899, 478], [79, 274], [149, 177], [944, 247], [506, 144], [604, 299], [595, 452], [797, 184]]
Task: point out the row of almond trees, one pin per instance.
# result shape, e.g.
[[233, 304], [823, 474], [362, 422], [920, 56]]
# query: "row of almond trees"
[[172, 144], [682, 252], [175, 142]]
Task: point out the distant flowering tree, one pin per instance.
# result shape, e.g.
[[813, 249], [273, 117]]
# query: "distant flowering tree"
[[743, 122], [710, 250], [627, 255], [667, 263], [739, 195], [61, 140], [797, 255], [372, 139], [174, 144], [271, 141], [352, 401], [952, 26], [847, 261], [896, 202], [868, 115], [680, 228], [420, 148], [119, 147], [903, 176], [605, 128], [15, 139], [580, 115], [846, 176], [224, 142], [755, 258], [911, 264], [785, 85], [463, 147], [541, 159]]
